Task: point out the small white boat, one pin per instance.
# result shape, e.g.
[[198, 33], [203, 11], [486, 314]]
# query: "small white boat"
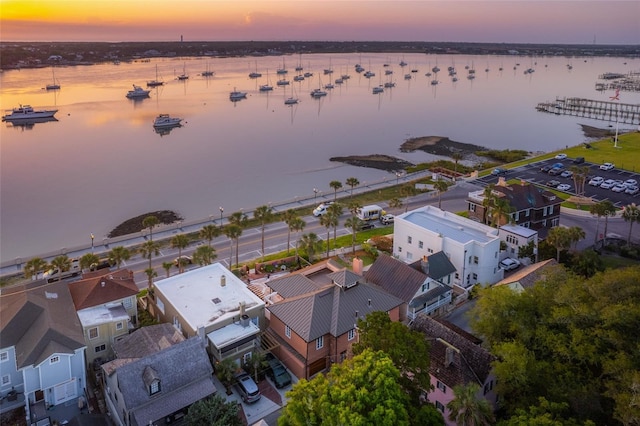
[[164, 120], [298, 78], [378, 89], [318, 93], [254, 75], [339, 80], [407, 76], [26, 112], [157, 82], [282, 70], [138, 93], [291, 101], [208, 72], [329, 86], [266, 87], [369, 74], [434, 82], [283, 82], [389, 84], [403, 63], [184, 75], [55, 85], [388, 72], [236, 95], [308, 74]]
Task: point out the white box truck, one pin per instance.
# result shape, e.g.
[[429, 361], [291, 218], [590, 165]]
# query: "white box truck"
[[370, 212]]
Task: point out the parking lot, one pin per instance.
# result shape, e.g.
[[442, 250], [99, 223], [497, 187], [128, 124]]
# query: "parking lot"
[[532, 173]]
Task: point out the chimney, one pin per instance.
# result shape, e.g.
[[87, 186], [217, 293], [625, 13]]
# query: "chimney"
[[201, 336], [425, 264], [130, 274], [244, 320], [449, 356], [369, 302], [102, 283], [223, 280], [501, 181], [357, 265], [242, 305]]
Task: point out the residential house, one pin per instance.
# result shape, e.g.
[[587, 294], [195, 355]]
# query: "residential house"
[[213, 301], [471, 247], [156, 385], [533, 207], [457, 359], [313, 325], [107, 309], [424, 286], [526, 277], [42, 347], [514, 238]]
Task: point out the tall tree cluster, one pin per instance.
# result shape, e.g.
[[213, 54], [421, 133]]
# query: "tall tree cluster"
[[568, 348]]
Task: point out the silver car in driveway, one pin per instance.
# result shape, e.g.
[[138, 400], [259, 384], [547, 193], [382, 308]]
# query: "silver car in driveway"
[[247, 388]]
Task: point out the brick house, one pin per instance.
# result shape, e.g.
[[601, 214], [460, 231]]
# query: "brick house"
[[313, 323]]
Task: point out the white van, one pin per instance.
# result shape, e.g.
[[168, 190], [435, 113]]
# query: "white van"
[[370, 212]]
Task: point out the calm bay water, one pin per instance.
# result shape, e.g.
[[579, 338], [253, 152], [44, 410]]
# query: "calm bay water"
[[102, 163]]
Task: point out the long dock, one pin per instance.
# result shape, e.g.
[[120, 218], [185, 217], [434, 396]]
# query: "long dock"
[[611, 111]]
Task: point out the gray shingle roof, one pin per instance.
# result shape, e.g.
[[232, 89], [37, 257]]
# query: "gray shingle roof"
[[39, 319], [293, 285], [185, 375], [439, 266], [333, 308], [147, 340], [456, 357], [396, 277]]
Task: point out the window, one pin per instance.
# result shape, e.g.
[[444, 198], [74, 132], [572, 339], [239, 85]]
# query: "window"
[[319, 342], [154, 387], [93, 333], [420, 244], [399, 249], [246, 357], [425, 287], [472, 207], [54, 359], [6, 380], [343, 355], [470, 259], [409, 255], [488, 387], [457, 276], [475, 276], [526, 212], [119, 325], [4, 356], [351, 334], [100, 348], [441, 386], [439, 406], [429, 250], [287, 331], [475, 260], [409, 239], [127, 303]]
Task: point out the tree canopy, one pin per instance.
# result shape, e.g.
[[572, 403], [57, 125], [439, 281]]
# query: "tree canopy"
[[213, 411]]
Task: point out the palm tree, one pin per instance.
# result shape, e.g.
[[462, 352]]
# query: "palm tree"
[[335, 210], [502, 209], [560, 238], [62, 264], [335, 184], [352, 182], [118, 255], [288, 217], [233, 232], [151, 274], [167, 267], [353, 223], [150, 222], [395, 203], [240, 219], [456, 156], [209, 232], [354, 208], [579, 177], [148, 249], [488, 200], [297, 224], [631, 214], [204, 255], [263, 214], [467, 409], [311, 244], [440, 186], [34, 266], [603, 208], [407, 191], [180, 242], [329, 220], [576, 233], [88, 261]]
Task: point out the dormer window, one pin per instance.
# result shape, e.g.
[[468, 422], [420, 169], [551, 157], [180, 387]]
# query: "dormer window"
[[154, 387]]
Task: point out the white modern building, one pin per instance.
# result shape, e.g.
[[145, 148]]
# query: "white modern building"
[[473, 248], [211, 301], [515, 237]]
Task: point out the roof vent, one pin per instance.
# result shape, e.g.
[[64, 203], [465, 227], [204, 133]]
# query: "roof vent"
[[223, 280], [102, 283]]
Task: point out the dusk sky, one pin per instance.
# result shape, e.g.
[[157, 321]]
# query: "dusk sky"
[[517, 21]]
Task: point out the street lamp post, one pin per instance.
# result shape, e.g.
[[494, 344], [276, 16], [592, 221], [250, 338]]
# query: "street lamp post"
[[315, 193], [92, 237], [221, 211]]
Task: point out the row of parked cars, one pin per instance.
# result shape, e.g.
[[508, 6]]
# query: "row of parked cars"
[[629, 186]]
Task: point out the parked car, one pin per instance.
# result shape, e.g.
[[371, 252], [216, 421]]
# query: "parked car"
[[498, 171], [607, 166], [185, 260], [596, 181], [387, 219], [631, 182], [277, 372], [556, 170], [247, 388], [509, 263], [546, 168], [553, 183], [578, 160], [608, 184], [366, 225], [619, 187], [322, 208], [566, 174], [631, 190], [563, 187], [561, 156]]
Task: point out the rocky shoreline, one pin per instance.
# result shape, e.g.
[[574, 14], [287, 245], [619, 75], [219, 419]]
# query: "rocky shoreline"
[[134, 225]]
